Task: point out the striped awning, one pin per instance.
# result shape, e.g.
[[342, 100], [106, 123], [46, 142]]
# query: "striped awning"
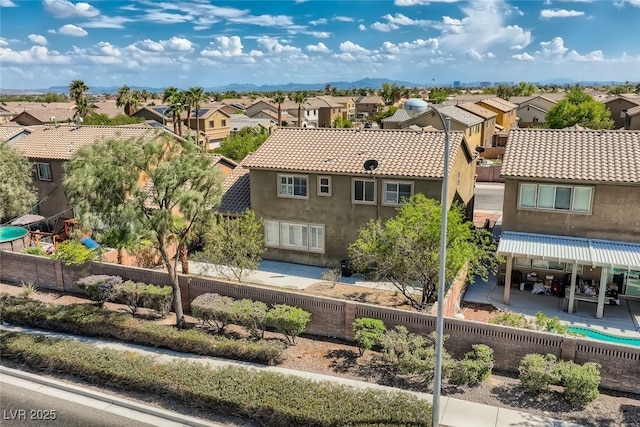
[[594, 252]]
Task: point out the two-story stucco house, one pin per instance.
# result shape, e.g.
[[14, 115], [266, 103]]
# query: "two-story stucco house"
[[618, 106], [572, 205], [506, 111], [313, 191]]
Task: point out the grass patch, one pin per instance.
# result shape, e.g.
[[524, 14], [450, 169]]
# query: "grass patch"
[[268, 398], [92, 321]]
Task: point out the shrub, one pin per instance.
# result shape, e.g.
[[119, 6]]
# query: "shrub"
[[289, 321], [367, 332], [158, 298], [252, 315], [550, 324], [73, 252], [538, 372], [507, 318], [99, 288], [130, 293], [28, 289], [34, 250], [474, 368], [213, 310], [580, 382]]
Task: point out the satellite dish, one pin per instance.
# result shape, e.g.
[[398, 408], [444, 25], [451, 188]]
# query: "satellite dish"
[[479, 149], [370, 165], [79, 120]]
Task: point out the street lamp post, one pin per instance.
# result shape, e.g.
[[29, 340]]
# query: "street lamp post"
[[437, 378]]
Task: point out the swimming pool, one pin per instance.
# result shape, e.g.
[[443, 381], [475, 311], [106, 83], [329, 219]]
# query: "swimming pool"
[[601, 336]]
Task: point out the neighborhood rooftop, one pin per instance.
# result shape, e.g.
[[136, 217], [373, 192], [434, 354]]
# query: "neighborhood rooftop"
[[344, 151], [577, 155]]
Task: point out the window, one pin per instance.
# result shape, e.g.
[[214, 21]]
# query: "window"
[[292, 186], [395, 193], [324, 186], [302, 237], [569, 268], [224, 122], [364, 191], [521, 262], [44, 171], [211, 124], [555, 197]]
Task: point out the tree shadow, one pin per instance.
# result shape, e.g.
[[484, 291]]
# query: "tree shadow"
[[342, 360]]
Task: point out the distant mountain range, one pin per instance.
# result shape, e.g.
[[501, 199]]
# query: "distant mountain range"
[[294, 87]]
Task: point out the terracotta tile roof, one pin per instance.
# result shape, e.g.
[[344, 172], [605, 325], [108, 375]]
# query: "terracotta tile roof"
[[399, 116], [633, 111], [9, 131], [236, 197], [374, 99], [344, 151], [459, 115], [478, 110], [61, 141], [586, 155], [499, 104]]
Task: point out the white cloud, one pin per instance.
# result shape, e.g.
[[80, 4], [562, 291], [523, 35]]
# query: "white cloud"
[[64, 8], [107, 49], [362, 27], [430, 44], [420, 2], [320, 21], [554, 48], [342, 19], [35, 55], [559, 13], [351, 47], [72, 30], [149, 45], [7, 3], [396, 21], [178, 44], [272, 44], [594, 56], [264, 20], [107, 22], [523, 57], [490, 55], [38, 39], [321, 34], [320, 47], [224, 47], [3, 42], [474, 55]]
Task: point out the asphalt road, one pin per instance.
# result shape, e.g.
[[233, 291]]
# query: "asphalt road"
[[489, 196]]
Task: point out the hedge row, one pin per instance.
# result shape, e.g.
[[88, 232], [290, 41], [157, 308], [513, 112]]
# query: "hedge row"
[[268, 398], [88, 320]]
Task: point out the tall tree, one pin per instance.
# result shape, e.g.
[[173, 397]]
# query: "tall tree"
[[504, 91], [77, 88], [83, 108], [299, 99], [174, 98], [102, 181], [279, 99], [195, 98], [579, 108], [235, 243], [239, 144], [405, 250], [127, 99], [17, 195]]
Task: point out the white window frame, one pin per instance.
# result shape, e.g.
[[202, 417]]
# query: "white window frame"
[[40, 167], [311, 236], [572, 207], [386, 202], [365, 181], [327, 185], [293, 186], [568, 268], [521, 262]]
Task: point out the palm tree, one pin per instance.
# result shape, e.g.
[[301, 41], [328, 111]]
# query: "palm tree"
[[299, 98], [127, 99], [279, 99], [197, 97], [77, 88], [172, 97], [83, 108]]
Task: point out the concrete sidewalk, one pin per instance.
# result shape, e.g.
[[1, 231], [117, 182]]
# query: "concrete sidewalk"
[[453, 412]]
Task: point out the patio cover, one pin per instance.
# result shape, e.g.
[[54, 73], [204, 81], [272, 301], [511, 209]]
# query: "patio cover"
[[593, 252]]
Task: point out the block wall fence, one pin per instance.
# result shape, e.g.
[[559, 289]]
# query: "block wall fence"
[[333, 318]]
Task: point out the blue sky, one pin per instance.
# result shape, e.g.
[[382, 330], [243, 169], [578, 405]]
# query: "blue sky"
[[212, 43]]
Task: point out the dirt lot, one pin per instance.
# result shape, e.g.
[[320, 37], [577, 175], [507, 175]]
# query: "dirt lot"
[[338, 358]]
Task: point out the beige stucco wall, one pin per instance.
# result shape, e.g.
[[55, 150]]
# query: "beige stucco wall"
[[56, 201], [616, 107], [633, 123], [614, 215]]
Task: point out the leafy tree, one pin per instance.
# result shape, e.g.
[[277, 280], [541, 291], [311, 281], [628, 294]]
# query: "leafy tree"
[[102, 183], [238, 145], [388, 113], [406, 249], [73, 252], [524, 89], [579, 108], [104, 120], [339, 122], [437, 96], [17, 195], [235, 243], [389, 92], [504, 91]]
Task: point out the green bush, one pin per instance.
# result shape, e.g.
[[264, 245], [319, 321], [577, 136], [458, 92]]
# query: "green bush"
[[367, 332], [89, 320], [266, 398], [289, 321], [158, 298], [34, 250], [73, 252], [507, 318], [252, 315], [537, 372], [474, 368], [580, 382], [129, 293], [550, 324], [99, 288], [214, 310]]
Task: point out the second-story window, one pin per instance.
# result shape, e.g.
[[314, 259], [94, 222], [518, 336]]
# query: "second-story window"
[[364, 191], [396, 193], [324, 186], [44, 171], [224, 122], [211, 124], [292, 186], [555, 197]]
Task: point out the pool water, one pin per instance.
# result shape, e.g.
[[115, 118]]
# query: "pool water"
[[9, 233], [601, 336]]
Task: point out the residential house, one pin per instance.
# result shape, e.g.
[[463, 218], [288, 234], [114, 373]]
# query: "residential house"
[[34, 113], [267, 109], [571, 203], [533, 111], [618, 106], [156, 113], [488, 127], [328, 110], [315, 188], [214, 124], [632, 119], [368, 107], [348, 104], [240, 121], [236, 196], [506, 111]]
